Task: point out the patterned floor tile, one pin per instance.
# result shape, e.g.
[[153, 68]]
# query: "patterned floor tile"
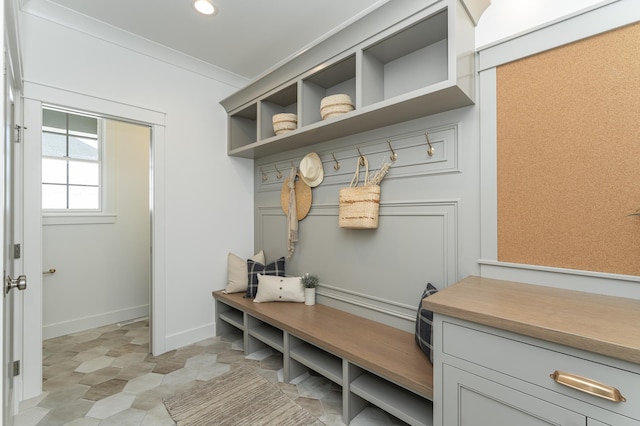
[[166, 366], [157, 417], [132, 371], [106, 376], [143, 383], [128, 417], [123, 350], [111, 406], [105, 389], [127, 359], [61, 381], [95, 364], [63, 396], [100, 376], [60, 368], [65, 413], [30, 417], [178, 377]]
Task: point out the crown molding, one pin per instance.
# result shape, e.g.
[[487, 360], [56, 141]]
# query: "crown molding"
[[58, 14]]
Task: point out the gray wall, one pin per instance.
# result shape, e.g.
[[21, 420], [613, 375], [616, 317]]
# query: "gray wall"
[[429, 217]]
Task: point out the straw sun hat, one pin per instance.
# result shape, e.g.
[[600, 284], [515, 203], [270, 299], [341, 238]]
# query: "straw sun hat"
[[311, 171], [303, 198]]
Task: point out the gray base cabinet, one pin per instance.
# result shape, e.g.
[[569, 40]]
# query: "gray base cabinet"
[[485, 376], [474, 400]]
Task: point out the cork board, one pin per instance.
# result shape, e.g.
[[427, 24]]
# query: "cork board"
[[569, 155]]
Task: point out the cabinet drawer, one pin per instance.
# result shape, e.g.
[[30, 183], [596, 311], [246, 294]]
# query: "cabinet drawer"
[[535, 364]]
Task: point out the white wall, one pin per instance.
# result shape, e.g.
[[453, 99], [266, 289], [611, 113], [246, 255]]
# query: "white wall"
[[208, 201], [103, 270], [504, 18]]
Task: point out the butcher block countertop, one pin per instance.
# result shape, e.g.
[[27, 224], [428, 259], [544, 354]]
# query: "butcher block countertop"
[[605, 325]]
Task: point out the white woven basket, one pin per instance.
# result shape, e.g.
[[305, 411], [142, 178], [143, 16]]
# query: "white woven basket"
[[333, 105], [284, 122]]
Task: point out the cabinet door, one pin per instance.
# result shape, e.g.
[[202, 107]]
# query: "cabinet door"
[[470, 400]]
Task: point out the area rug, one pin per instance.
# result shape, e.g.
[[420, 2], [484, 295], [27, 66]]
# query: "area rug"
[[240, 397]]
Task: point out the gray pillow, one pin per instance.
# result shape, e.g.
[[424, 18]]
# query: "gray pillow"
[[424, 324]]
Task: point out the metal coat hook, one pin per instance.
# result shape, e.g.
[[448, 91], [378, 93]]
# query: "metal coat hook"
[[278, 174], [361, 158], [393, 155], [431, 149], [264, 175], [336, 166]]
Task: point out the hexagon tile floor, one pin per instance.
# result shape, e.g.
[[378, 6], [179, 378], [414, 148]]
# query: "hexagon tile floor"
[[106, 376]]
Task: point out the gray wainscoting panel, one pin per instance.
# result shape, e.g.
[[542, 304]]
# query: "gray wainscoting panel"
[[380, 272], [429, 217]]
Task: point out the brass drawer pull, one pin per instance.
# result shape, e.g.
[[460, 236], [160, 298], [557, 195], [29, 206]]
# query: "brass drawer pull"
[[588, 386]]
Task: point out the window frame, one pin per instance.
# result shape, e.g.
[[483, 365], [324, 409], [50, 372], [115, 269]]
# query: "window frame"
[[101, 215]]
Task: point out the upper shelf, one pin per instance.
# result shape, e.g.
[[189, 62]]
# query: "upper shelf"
[[418, 66]]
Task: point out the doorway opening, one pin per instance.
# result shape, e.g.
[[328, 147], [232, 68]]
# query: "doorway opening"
[[30, 317], [96, 221]]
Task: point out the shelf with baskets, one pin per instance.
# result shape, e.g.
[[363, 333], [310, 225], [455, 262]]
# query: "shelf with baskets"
[[418, 66]]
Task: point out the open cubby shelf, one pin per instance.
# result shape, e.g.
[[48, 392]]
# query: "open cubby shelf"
[[419, 66], [395, 377], [330, 366], [234, 318], [269, 335], [403, 404]]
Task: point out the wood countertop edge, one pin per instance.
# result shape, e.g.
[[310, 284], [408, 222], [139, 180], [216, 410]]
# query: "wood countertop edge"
[[556, 336], [566, 337]]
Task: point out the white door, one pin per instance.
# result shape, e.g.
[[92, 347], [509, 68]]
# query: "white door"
[[11, 282]]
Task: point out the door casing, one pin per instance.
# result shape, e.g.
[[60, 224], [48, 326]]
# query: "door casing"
[[35, 96]]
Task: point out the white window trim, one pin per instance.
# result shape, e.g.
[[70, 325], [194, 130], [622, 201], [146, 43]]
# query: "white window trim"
[[106, 214], [78, 218]]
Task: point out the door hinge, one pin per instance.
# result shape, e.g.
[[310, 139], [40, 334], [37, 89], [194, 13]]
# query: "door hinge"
[[16, 251], [19, 133], [16, 368]]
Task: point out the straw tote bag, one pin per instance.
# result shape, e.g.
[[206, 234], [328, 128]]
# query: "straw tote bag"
[[359, 205]]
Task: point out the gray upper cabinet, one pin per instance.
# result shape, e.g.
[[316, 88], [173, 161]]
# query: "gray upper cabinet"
[[403, 61]]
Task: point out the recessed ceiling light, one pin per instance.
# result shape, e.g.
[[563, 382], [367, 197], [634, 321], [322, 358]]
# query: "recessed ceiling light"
[[205, 7]]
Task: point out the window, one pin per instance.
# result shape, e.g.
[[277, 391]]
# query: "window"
[[71, 161]]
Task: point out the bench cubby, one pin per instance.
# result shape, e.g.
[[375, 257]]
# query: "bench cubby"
[[372, 362], [317, 359]]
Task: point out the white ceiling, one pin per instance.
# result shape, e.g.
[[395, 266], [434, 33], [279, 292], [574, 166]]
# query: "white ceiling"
[[246, 37]]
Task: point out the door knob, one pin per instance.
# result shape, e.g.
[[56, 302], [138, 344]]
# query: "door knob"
[[20, 283]]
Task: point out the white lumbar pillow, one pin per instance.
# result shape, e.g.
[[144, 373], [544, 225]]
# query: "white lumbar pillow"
[[237, 277], [279, 289]]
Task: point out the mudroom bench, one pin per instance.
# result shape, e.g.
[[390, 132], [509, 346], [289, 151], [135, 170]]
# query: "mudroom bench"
[[372, 362]]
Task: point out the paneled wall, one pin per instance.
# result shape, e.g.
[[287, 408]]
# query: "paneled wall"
[[428, 228]]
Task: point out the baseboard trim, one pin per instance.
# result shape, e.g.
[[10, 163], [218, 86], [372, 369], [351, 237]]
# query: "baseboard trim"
[[86, 323], [189, 337]]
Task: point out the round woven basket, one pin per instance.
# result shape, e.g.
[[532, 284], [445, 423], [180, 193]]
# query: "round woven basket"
[[284, 122], [333, 105]]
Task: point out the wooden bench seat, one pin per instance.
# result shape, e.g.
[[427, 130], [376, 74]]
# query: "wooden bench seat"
[[383, 350]]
